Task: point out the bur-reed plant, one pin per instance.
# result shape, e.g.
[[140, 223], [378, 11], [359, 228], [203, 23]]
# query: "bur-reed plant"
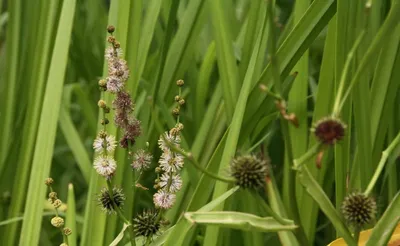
[[285, 132]]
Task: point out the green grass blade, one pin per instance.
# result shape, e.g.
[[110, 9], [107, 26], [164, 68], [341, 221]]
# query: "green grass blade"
[[233, 137], [77, 147], [70, 219], [384, 228], [237, 220], [315, 190], [47, 127], [225, 55]]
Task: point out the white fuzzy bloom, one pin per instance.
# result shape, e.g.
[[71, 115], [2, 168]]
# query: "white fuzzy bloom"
[[174, 139], [141, 160], [119, 68], [109, 143], [114, 84], [175, 182], [163, 199], [105, 166], [111, 53], [171, 162]]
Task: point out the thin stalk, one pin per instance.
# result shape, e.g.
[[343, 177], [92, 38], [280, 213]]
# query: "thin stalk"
[[270, 211], [304, 158], [193, 160], [300, 233], [357, 234], [120, 214], [339, 100], [385, 155]]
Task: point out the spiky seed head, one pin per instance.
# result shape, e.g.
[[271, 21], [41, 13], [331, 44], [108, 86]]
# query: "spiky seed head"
[[358, 209], [146, 224], [67, 231], [105, 201], [110, 29], [329, 130], [57, 222], [49, 181], [249, 171]]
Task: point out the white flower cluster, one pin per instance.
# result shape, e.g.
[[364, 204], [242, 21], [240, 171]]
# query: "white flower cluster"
[[105, 164], [170, 163], [117, 69]]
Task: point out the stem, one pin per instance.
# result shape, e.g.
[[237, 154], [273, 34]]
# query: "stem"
[[338, 100], [299, 232], [357, 234], [120, 214], [385, 155], [189, 156], [270, 211], [310, 153]]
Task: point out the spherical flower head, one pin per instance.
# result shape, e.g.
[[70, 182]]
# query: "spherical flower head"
[[173, 139], [57, 222], [57, 203], [104, 143], [163, 199], [358, 209], [329, 130], [174, 180], [171, 162], [249, 171], [105, 166], [146, 224], [67, 231], [141, 160], [49, 181], [105, 201], [115, 84]]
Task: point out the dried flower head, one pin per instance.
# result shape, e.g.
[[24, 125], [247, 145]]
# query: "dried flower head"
[[141, 160], [105, 201], [57, 222], [163, 199], [102, 143], [329, 130], [105, 166], [249, 171], [146, 224], [110, 29], [174, 181], [358, 209]]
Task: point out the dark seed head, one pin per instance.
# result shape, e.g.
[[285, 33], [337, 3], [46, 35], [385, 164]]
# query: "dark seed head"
[[110, 29], [329, 130], [249, 171], [146, 224], [358, 209], [105, 201]]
